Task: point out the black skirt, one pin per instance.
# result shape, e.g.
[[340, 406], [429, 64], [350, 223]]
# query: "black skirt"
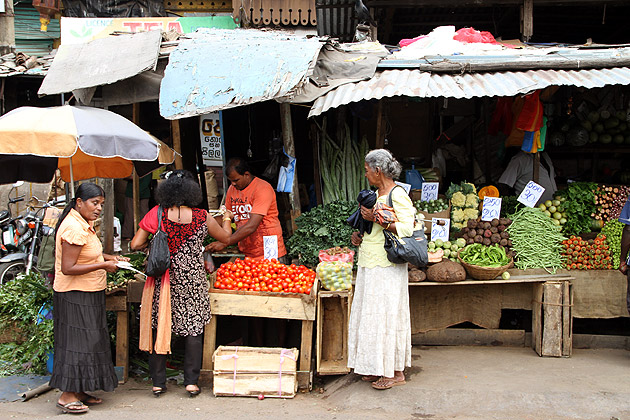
[[83, 357]]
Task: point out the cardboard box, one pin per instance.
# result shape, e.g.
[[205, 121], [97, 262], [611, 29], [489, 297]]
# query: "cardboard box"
[[254, 371]]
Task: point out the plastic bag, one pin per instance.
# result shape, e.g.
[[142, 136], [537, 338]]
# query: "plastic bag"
[[208, 262], [335, 275], [343, 254]]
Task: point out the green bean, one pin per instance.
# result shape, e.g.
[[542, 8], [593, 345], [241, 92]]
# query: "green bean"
[[536, 240]]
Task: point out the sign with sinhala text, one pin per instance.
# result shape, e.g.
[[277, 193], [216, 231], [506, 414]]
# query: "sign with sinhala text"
[[211, 139], [491, 208], [531, 194]]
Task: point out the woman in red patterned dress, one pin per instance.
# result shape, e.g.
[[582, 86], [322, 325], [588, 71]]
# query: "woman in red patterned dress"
[[178, 301]]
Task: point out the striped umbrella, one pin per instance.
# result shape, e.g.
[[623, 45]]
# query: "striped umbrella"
[[83, 142]]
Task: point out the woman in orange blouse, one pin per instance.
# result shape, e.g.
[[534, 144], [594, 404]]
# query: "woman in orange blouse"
[[82, 354]]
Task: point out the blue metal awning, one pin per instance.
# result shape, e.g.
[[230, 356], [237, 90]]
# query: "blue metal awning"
[[219, 69]]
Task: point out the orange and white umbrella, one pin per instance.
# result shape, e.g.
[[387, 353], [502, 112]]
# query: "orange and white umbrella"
[[83, 142]]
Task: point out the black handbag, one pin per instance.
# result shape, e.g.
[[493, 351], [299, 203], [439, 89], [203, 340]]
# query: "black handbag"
[[159, 258], [412, 249]]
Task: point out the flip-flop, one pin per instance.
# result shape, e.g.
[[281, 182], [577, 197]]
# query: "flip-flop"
[[67, 408], [390, 383], [370, 378], [91, 400]]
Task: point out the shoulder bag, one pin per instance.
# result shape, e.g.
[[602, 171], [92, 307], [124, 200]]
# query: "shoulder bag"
[[159, 258], [411, 249]]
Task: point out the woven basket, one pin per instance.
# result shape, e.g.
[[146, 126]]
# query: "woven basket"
[[484, 273]]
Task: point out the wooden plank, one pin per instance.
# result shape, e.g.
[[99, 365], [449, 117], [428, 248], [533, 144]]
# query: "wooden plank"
[[527, 17], [108, 216], [567, 319], [470, 337], [552, 312], [177, 143], [305, 379], [537, 319], [332, 333], [116, 303], [380, 125], [253, 385], [262, 306], [122, 342], [209, 345], [512, 280], [289, 148]]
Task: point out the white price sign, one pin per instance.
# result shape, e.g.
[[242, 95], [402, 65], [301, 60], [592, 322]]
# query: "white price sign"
[[531, 194], [429, 191], [491, 208], [440, 228], [270, 247], [407, 187]]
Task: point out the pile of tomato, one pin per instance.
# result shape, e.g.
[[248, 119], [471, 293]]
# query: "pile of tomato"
[[264, 276]]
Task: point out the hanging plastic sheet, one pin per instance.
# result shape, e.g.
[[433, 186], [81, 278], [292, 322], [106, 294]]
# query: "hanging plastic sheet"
[[286, 174]]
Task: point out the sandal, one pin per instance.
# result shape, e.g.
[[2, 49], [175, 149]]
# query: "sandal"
[[370, 378], [385, 383], [88, 399], [159, 391], [74, 407], [194, 392]]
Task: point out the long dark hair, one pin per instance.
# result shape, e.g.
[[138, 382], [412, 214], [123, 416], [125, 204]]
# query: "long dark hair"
[[85, 191], [180, 188]]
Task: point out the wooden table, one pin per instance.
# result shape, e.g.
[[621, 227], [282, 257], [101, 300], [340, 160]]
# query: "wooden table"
[[435, 306], [265, 305]]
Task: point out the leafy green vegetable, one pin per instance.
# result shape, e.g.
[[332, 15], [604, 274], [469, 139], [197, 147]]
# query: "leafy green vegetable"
[[579, 205], [509, 205], [120, 278], [20, 302], [321, 228]]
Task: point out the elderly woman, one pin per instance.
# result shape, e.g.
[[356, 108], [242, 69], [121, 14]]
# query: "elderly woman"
[[379, 335]]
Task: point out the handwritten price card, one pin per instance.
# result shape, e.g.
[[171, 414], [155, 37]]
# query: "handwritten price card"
[[440, 228], [429, 191], [491, 208], [270, 246], [531, 194]]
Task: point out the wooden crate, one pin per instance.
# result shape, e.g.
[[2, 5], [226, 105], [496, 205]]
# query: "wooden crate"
[[254, 371], [552, 319], [333, 313]]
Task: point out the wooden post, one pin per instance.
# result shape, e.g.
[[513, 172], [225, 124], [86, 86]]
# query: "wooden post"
[[380, 125], [552, 325], [306, 348], [177, 143], [135, 179], [122, 342], [7, 28], [108, 216], [289, 147], [209, 345], [317, 178], [527, 20], [536, 175]]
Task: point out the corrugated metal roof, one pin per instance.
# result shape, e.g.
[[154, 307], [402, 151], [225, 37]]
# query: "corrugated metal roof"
[[219, 69], [415, 83], [29, 39]]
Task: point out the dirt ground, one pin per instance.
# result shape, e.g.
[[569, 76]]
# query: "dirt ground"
[[443, 383]]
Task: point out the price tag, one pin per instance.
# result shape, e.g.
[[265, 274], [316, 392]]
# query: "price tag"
[[270, 244], [429, 191], [440, 228], [491, 208], [407, 187], [531, 194]]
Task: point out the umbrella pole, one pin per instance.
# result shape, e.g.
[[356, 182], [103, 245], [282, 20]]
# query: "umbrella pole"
[[71, 179]]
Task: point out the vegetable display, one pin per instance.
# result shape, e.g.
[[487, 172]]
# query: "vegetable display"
[[487, 233], [264, 276], [120, 278], [431, 206], [593, 254], [440, 249], [536, 240], [464, 204], [555, 210], [609, 202], [484, 256], [612, 230], [321, 228], [341, 165], [335, 275], [578, 206]]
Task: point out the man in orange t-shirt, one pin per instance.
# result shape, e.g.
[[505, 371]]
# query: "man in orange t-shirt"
[[253, 202]]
